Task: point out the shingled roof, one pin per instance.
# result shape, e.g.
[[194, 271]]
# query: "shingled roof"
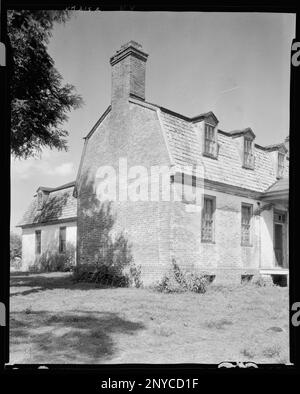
[[59, 206], [184, 148], [280, 186]]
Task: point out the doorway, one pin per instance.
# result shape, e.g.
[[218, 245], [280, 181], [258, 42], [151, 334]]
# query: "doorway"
[[280, 239]]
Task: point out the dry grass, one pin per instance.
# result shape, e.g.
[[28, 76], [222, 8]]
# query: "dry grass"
[[56, 321]]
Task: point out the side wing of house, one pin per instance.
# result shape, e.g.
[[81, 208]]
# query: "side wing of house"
[[49, 225]]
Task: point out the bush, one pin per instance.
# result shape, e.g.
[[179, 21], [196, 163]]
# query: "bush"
[[177, 281], [104, 274], [55, 261], [169, 284], [263, 282], [135, 275], [15, 246], [113, 267]]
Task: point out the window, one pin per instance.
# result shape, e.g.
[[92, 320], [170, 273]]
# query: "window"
[[62, 239], [246, 224], [279, 217], [280, 166], [40, 200], [210, 145], [207, 230], [38, 242], [248, 154]]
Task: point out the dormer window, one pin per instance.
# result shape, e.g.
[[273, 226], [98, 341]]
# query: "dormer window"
[[40, 200], [248, 153], [280, 165], [210, 143]]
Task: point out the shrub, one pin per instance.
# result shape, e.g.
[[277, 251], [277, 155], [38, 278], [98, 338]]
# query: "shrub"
[[15, 246], [103, 274], [135, 272], [16, 263], [110, 267], [195, 283], [111, 263], [55, 261], [169, 284], [35, 268], [177, 281], [263, 282]]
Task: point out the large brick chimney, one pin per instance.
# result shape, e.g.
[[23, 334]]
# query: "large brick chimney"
[[128, 73]]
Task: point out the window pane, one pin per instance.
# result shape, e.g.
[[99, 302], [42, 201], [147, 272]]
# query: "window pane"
[[38, 242], [280, 168], [40, 200], [246, 224], [207, 220], [248, 154], [209, 141], [62, 239]]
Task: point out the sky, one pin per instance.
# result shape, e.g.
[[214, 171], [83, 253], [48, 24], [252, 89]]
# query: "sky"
[[234, 64]]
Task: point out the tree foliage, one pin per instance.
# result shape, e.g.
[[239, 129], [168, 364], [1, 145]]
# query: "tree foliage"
[[39, 99], [15, 246]]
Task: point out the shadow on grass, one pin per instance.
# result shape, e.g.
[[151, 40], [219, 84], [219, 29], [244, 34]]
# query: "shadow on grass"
[[73, 337], [46, 281]]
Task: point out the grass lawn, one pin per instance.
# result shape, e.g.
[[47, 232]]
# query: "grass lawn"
[[53, 320]]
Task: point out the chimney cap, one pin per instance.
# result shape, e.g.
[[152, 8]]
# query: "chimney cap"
[[130, 48], [131, 43]]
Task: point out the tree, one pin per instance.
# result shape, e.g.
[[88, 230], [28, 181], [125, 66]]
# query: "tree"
[[15, 246], [39, 100]]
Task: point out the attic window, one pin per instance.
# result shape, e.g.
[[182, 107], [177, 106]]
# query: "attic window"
[[40, 200], [280, 165], [210, 143], [248, 153]]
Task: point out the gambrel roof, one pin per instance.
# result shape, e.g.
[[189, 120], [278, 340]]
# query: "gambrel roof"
[[60, 205], [184, 147]]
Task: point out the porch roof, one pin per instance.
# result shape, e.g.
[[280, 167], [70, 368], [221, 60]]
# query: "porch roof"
[[278, 191]]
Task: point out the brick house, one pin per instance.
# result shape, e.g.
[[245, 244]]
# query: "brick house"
[[239, 228]]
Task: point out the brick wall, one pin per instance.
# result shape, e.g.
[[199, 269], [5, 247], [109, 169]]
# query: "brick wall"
[[133, 132], [225, 257], [128, 76]]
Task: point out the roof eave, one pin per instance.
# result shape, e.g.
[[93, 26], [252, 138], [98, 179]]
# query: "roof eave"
[[48, 222]]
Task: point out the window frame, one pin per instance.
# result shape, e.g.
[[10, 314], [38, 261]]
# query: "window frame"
[[248, 153], [279, 216], [211, 142], [62, 242], [38, 242], [249, 241], [40, 199], [280, 165], [204, 239]]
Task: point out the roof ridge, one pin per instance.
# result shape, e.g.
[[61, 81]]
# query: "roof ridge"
[[64, 186], [53, 189]]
